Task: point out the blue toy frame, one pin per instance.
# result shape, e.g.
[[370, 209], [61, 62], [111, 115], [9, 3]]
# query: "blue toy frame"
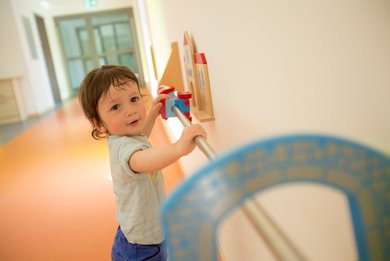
[[192, 213]]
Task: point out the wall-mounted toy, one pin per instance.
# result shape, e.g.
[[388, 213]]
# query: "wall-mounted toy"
[[198, 82], [172, 75], [182, 101], [205, 105], [190, 69]]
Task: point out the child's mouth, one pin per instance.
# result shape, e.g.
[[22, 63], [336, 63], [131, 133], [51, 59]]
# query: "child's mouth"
[[133, 122]]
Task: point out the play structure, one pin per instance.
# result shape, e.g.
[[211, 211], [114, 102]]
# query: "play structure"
[[197, 77], [192, 214]]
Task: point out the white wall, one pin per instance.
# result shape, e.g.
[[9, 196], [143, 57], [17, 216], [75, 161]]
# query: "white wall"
[[283, 67], [13, 62], [37, 92], [10, 47]]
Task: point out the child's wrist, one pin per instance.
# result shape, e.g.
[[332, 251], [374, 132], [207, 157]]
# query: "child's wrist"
[[177, 149]]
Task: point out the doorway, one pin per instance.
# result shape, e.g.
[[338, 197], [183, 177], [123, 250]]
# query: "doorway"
[[95, 39], [48, 59]]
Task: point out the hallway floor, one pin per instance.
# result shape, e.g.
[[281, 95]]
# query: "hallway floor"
[[56, 199]]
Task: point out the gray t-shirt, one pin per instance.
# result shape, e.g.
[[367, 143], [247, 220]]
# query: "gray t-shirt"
[[138, 195]]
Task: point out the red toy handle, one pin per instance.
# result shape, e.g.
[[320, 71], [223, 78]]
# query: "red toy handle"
[[182, 101], [184, 95], [164, 89]]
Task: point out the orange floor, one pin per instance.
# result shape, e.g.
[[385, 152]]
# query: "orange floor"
[[56, 199]]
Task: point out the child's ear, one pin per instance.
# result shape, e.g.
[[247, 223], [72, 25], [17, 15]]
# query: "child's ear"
[[99, 126]]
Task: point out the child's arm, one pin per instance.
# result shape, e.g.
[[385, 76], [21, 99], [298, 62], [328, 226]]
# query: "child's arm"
[[153, 159], [153, 114]]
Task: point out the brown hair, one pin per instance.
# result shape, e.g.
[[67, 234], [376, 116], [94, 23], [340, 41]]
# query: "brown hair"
[[97, 83]]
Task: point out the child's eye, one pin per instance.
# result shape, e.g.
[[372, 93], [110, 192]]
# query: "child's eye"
[[115, 107], [134, 99]]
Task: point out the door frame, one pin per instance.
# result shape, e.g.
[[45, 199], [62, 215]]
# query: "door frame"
[[55, 90], [88, 16]]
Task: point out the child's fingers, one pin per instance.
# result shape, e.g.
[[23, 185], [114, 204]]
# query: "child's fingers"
[[161, 97], [158, 99], [197, 130], [156, 108]]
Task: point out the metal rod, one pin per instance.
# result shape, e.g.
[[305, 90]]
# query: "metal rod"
[[278, 242], [200, 141], [280, 245]]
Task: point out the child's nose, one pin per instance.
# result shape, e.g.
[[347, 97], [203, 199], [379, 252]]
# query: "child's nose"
[[130, 110]]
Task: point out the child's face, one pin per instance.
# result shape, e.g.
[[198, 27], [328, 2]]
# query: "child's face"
[[122, 111]]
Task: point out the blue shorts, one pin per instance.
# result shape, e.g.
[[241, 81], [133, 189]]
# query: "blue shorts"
[[122, 250]]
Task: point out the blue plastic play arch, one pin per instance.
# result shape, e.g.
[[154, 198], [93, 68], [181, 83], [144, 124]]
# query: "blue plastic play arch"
[[191, 215]]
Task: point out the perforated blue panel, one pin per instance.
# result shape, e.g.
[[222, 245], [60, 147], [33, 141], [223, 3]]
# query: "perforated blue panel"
[[192, 213]]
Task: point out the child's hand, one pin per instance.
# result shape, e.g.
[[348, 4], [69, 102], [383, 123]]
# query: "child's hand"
[[156, 105], [153, 113], [186, 143]]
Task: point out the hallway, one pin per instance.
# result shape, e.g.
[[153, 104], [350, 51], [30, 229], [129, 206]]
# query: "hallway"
[[56, 199]]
